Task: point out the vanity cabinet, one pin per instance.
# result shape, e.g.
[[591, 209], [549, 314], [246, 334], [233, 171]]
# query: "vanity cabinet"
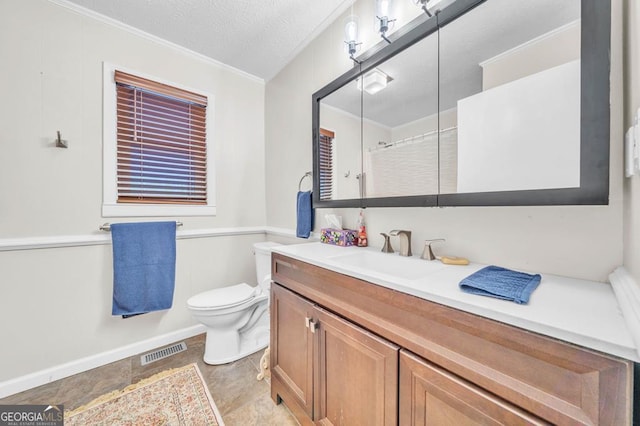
[[329, 370], [292, 348], [337, 342], [430, 395]]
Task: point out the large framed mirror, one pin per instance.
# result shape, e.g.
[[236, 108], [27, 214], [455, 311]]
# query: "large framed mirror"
[[489, 102]]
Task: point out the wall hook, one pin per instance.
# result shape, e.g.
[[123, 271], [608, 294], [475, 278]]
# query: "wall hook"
[[61, 143]]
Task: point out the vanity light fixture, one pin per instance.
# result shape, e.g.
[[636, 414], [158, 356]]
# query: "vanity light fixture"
[[382, 15], [373, 81], [351, 36]]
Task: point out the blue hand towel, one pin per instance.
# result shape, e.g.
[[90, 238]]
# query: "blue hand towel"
[[144, 267], [502, 283], [304, 214]]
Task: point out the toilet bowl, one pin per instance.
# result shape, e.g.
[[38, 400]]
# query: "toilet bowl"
[[236, 317]]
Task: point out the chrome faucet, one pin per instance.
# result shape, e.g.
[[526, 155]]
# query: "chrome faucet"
[[405, 241]]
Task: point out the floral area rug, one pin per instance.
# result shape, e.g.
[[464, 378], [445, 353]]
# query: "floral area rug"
[[174, 397]]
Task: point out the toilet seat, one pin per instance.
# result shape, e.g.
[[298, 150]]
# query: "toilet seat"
[[225, 297]]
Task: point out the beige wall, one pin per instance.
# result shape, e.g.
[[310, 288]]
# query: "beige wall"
[[631, 105], [576, 241], [55, 304]]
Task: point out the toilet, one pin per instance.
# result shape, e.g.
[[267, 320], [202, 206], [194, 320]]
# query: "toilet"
[[236, 317]]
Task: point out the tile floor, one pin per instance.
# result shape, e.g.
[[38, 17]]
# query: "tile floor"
[[241, 399]]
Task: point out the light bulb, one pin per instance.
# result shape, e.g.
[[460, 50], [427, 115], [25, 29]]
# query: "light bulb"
[[351, 29], [382, 8]]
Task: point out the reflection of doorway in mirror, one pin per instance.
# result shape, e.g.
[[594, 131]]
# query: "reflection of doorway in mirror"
[[520, 128], [522, 135]]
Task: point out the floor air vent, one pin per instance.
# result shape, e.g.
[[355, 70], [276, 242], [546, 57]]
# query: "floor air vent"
[[163, 353]]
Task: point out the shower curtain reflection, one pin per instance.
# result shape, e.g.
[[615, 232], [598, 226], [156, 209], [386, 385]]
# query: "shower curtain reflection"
[[410, 166]]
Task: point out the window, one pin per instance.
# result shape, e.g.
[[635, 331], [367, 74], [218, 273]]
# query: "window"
[[326, 164], [157, 148]]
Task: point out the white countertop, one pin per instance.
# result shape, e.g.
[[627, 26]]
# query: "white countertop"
[[582, 312]]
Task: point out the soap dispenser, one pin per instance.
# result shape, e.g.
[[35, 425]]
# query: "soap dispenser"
[[362, 231]]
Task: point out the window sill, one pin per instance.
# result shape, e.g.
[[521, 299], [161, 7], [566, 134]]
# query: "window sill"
[[141, 210]]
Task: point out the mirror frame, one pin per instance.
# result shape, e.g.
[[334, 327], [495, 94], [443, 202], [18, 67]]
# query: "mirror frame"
[[594, 116]]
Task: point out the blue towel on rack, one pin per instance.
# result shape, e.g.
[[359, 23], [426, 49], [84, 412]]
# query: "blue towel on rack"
[[144, 267], [502, 283], [304, 214]]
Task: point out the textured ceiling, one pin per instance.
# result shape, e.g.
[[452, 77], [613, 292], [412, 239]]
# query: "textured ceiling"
[[257, 37]]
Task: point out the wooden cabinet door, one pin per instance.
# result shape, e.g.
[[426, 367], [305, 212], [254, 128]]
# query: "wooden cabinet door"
[[292, 347], [430, 395], [357, 375]]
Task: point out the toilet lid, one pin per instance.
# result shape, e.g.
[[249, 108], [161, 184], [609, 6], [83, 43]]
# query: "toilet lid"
[[222, 297]]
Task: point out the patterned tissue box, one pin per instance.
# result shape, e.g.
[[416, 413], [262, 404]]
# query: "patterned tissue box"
[[339, 237]]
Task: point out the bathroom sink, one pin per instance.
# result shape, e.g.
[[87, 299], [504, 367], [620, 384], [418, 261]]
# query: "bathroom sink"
[[386, 264]]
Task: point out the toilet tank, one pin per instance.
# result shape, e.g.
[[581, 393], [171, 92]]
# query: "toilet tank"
[[262, 252]]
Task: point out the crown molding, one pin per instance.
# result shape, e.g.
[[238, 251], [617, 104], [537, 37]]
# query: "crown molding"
[[138, 32]]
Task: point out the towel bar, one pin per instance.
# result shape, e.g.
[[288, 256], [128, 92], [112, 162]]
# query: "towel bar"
[[107, 226], [301, 179]]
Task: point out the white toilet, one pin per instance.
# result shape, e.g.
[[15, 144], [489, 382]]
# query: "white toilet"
[[237, 317]]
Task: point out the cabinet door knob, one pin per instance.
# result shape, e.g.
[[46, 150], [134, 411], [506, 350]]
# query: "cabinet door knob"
[[307, 320]]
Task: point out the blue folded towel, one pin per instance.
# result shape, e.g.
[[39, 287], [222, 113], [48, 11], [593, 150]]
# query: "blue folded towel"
[[502, 283], [144, 267], [304, 214]]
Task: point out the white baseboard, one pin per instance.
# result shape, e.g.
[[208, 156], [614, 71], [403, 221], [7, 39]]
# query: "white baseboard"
[[628, 294], [48, 375]]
